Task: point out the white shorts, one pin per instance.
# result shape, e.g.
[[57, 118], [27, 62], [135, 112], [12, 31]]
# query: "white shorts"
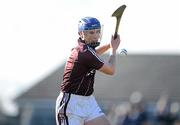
[[74, 109]]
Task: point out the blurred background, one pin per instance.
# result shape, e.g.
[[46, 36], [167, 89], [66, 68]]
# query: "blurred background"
[[36, 37]]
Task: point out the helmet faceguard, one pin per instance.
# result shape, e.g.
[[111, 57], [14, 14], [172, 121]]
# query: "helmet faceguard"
[[89, 23]]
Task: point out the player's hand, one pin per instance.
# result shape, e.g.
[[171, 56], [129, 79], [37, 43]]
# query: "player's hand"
[[115, 42]]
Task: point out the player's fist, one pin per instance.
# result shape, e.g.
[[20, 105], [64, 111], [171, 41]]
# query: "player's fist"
[[115, 42]]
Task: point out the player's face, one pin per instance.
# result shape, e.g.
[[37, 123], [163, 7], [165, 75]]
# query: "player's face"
[[91, 36]]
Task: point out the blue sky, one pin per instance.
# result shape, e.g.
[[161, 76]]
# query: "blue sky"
[[37, 35]]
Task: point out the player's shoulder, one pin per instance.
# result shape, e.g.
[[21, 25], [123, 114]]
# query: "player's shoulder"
[[86, 50]]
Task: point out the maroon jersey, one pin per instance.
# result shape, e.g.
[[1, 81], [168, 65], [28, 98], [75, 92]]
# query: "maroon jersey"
[[80, 70]]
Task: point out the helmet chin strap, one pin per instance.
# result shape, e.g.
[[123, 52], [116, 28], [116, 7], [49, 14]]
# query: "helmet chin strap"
[[91, 44], [94, 44]]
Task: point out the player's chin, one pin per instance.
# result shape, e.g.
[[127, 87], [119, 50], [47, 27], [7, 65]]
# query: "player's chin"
[[95, 41]]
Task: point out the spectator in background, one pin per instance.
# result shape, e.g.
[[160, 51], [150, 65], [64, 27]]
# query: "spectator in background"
[[166, 112], [137, 115]]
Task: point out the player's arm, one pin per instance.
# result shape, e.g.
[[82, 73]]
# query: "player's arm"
[[109, 67], [102, 49]]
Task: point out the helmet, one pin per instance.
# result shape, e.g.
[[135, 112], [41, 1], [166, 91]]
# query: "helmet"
[[88, 23]]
